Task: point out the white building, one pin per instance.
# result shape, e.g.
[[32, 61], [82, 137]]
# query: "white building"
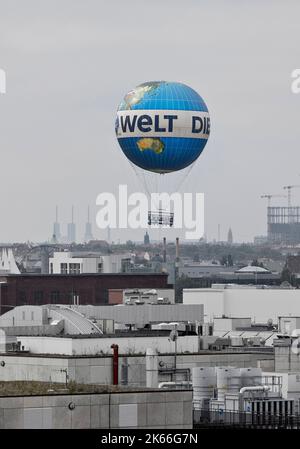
[[259, 304], [7, 262], [66, 262]]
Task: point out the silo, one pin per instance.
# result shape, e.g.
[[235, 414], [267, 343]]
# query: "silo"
[[228, 381], [251, 377], [204, 384]]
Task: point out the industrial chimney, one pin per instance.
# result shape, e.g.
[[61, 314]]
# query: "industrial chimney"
[[177, 249], [164, 250]]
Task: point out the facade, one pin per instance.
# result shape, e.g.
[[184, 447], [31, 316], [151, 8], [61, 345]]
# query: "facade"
[[97, 369], [65, 262], [260, 304], [7, 262], [35, 289], [47, 320], [284, 225], [125, 409]]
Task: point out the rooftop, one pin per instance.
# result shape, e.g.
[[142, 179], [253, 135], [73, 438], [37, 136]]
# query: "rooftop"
[[252, 269], [33, 388]]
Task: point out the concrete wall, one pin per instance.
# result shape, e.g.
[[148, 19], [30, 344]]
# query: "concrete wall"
[[259, 304], [212, 299], [47, 345], [99, 346], [99, 369], [229, 324], [157, 409], [144, 314], [288, 324], [290, 385], [24, 316], [286, 359]]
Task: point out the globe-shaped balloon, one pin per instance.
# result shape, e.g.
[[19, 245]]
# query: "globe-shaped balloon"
[[162, 126]]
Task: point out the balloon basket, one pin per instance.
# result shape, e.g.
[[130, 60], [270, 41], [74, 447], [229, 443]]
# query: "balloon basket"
[[160, 218]]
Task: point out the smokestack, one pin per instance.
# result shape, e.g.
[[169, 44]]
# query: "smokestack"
[[164, 250], [44, 260], [88, 228], [56, 227], [177, 249], [72, 229], [115, 349]]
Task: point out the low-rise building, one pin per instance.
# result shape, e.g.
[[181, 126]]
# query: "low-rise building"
[[66, 262], [260, 303]]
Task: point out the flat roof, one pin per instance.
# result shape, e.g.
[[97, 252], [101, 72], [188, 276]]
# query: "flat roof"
[[267, 352], [82, 274], [36, 388]]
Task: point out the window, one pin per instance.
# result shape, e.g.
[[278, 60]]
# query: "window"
[[54, 296], [51, 268], [64, 268], [73, 297], [99, 268], [23, 316], [32, 316], [38, 296], [74, 268]]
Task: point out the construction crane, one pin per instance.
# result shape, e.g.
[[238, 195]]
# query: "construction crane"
[[269, 197], [289, 191]]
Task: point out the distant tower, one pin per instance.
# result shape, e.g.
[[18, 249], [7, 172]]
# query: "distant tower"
[[72, 229], [88, 236], [54, 240], [164, 250], [56, 228], [230, 237], [146, 239]]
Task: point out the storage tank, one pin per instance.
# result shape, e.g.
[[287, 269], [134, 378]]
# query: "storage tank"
[[228, 381], [251, 377], [151, 368], [204, 384]]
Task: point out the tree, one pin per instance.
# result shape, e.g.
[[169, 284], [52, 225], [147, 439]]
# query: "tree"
[[287, 275], [230, 260], [223, 260]]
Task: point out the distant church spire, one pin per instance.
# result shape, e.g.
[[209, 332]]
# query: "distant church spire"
[[230, 237]]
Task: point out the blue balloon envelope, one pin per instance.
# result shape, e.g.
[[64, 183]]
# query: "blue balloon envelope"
[[162, 126]]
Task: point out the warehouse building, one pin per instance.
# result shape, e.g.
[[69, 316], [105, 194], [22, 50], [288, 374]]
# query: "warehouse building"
[[260, 303], [38, 289]]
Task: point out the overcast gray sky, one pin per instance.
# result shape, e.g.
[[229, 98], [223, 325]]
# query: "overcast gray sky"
[[68, 64]]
